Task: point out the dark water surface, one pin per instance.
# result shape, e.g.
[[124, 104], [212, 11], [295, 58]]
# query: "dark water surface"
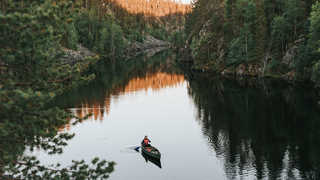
[[205, 128]]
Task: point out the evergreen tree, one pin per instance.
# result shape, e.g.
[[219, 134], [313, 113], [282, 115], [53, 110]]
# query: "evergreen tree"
[[261, 31], [31, 75], [315, 41], [268, 34]]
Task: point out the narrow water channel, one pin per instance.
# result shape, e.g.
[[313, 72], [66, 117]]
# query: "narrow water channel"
[[205, 128]]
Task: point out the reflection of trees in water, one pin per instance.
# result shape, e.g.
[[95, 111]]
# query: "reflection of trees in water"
[[152, 81], [270, 133], [121, 79]]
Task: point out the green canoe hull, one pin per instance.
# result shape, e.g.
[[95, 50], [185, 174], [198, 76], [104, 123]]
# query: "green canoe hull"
[[151, 151], [155, 161]]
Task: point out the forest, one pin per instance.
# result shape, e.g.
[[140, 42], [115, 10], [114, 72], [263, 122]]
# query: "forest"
[[33, 37], [261, 38]]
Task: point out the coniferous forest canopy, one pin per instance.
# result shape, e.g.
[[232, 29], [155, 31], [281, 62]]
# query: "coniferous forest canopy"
[[34, 36], [264, 38], [277, 38]]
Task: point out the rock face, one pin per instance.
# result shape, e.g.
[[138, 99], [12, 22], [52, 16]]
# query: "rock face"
[[286, 62], [149, 47], [250, 70], [73, 56], [292, 52]]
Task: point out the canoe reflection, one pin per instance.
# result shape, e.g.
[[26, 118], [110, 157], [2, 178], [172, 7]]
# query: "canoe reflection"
[[148, 158]]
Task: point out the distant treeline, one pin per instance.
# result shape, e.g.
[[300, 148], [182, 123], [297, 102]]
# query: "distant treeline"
[[161, 19], [256, 37], [102, 23]]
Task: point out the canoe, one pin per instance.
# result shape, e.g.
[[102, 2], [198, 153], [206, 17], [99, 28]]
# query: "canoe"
[[151, 151], [155, 161]]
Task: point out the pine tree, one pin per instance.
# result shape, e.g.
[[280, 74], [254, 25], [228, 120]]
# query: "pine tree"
[[314, 41], [261, 35], [31, 75]]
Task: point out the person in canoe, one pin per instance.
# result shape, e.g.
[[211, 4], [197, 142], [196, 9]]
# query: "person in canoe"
[[145, 142]]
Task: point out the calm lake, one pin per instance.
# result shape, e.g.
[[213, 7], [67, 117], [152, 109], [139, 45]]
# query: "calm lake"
[[205, 127]]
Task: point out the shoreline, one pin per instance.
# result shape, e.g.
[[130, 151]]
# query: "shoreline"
[[186, 66]]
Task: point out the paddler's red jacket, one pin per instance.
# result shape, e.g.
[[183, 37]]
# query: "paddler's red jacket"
[[145, 141]]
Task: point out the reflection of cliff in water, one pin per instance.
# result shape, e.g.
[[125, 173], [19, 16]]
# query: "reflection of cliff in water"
[[152, 81], [271, 133], [118, 79]]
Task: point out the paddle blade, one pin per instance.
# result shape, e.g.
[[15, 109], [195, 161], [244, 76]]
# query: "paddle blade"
[[137, 148]]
